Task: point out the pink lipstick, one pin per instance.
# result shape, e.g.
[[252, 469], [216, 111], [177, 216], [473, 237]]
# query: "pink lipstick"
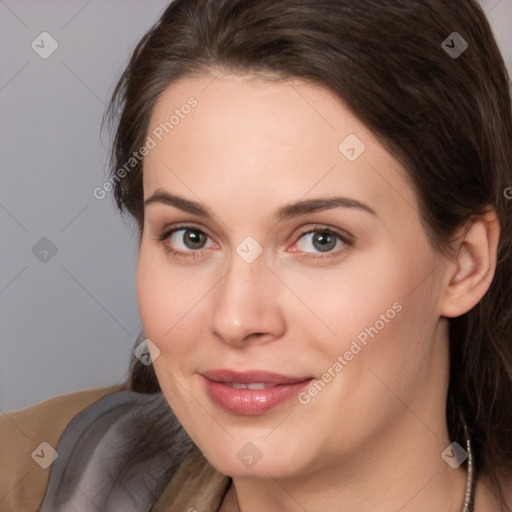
[[252, 392]]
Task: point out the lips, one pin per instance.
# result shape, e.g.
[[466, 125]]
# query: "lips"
[[250, 393]]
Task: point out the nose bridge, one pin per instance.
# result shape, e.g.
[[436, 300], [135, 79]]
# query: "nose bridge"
[[246, 302]]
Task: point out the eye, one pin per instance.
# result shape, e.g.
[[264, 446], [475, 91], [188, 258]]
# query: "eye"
[[189, 239], [320, 240], [186, 240]]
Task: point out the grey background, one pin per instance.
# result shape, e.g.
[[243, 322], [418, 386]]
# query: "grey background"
[[70, 322]]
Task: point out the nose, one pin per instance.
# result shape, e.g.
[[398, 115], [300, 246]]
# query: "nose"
[[245, 305]]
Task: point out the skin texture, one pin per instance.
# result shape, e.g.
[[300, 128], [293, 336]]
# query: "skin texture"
[[372, 438]]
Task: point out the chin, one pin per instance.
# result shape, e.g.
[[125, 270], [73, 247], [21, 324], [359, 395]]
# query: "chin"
[[246, 459]]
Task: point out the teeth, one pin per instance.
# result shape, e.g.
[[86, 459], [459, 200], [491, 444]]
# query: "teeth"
[[249, 385], [258, 385]]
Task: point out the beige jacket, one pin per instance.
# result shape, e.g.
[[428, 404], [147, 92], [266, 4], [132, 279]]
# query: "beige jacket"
[[27, 438]]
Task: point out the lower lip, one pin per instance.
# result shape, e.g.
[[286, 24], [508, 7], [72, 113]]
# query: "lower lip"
[[250, 402]]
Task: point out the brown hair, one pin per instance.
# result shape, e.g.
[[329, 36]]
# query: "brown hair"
[[447, 119]]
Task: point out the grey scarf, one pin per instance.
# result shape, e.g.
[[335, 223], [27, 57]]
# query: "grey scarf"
[[117, 455]]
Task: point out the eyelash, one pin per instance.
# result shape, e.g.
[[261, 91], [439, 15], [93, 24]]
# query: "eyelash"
[[346, 239]]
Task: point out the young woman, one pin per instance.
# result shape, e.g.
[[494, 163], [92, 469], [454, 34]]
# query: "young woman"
[[322, 196]]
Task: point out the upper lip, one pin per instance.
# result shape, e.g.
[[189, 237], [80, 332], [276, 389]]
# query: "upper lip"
[[250, 376]]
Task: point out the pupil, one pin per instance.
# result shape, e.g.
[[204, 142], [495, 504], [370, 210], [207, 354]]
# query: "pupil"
[[324, 241], [194, 239]]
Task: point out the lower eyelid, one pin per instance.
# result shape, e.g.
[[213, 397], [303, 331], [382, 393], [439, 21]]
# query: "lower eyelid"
[[325, 255], [183, 254]]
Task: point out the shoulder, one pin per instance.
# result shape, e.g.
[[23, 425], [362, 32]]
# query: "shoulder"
[[28, 438]]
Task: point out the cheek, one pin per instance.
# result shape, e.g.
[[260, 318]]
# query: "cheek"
[[165, 308], [349, 299], [395, 320], [382, 313], [167, 297], [150, 295]]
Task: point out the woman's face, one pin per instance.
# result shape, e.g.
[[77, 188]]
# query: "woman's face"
[[294, 246]]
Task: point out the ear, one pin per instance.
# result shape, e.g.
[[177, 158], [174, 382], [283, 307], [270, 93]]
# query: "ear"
[[470, 273]]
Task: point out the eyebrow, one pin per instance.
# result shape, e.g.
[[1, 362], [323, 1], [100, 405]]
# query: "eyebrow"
[[295, 209]]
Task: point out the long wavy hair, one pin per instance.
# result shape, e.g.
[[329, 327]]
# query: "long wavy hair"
[[446, 118]]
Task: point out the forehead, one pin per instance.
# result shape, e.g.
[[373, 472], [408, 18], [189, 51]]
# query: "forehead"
[[256, 141]]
